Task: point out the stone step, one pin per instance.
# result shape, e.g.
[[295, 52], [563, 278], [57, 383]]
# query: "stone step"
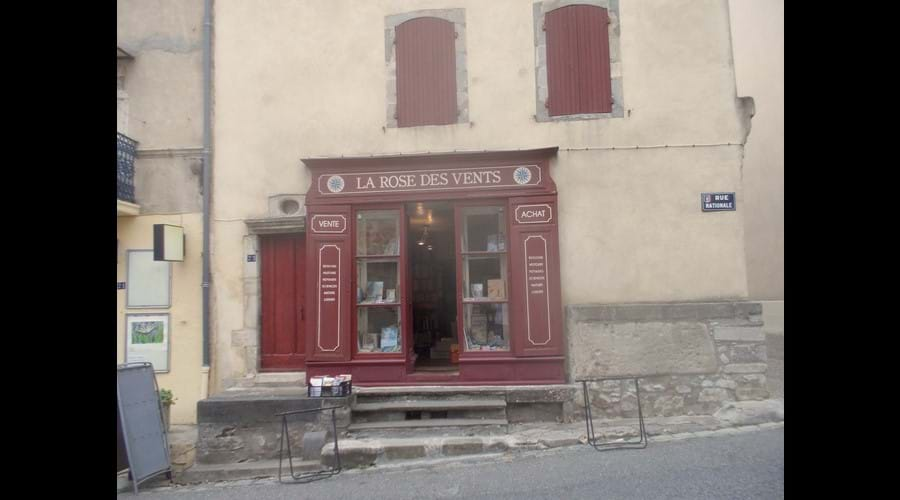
[[280, 379], [367, 452], [395, 410], [430, 405], [554, 392], [429, 423]]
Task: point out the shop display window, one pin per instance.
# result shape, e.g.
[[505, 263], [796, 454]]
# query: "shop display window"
[[484, 280], [378, 281]]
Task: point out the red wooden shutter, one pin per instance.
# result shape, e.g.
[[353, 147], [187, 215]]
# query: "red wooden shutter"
[[426, 72], [578, 60]]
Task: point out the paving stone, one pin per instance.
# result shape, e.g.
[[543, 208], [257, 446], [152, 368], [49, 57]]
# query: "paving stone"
[[494, 446], [352, 455], [462, 446], [404, 452], [751, 393], [713, 395], [740, 413], [745, 368], [739, 334]]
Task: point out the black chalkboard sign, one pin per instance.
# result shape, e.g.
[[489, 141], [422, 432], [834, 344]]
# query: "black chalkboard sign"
[[140, 418]]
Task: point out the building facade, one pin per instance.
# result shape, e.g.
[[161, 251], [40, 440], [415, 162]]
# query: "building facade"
[[757, 30], [421, 193], [159, 140], [395, 123]]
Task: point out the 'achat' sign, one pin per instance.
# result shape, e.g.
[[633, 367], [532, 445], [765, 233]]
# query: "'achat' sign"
[[429, 180], [717, 202], [534, 214]]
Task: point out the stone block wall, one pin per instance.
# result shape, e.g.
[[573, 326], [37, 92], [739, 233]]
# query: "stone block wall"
[[233, 429], [692, 358]]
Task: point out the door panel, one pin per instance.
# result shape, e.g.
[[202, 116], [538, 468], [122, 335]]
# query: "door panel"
[[283, 300]]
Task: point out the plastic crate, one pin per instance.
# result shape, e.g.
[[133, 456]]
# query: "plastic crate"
[[335, 391]]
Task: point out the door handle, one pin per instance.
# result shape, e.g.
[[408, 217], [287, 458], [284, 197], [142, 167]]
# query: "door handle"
[[301, 312]]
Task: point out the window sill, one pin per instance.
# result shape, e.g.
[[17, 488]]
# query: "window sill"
[[616, 113]]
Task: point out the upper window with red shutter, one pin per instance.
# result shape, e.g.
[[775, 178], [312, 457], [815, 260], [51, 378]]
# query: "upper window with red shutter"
[[426, 70], [578, 70]]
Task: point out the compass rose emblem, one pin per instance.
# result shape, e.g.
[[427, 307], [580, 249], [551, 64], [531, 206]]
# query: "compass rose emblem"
[[335, 183], [522, 175]]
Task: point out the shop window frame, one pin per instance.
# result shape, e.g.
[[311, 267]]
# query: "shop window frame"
[[402, 303], [461, 301]]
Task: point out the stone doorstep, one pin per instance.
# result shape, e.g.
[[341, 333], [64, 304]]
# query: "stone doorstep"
[[548, 393], [431, 405]]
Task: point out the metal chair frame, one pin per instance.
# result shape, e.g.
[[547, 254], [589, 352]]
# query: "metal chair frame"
[[307, 477], [589, 423]]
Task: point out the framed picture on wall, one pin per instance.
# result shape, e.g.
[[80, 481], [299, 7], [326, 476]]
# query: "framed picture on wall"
[[147, 339]]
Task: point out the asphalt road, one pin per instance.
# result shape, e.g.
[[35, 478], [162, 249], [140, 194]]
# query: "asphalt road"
[[748, 465]]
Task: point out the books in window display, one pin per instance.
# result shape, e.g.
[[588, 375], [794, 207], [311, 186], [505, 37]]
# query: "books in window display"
[[478, 331], [390, 339], [496, 289], [370, 342], [374, 291]]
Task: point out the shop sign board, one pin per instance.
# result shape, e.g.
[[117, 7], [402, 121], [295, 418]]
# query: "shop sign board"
[[328, 297], [537, 294], [417, 181], [534, 214], [334, 224], [717, 202]]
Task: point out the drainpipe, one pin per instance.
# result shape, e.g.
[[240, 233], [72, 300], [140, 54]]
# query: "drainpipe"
[[207, 174]]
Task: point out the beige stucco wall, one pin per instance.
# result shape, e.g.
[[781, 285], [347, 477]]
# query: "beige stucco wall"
[[631, 229], [757, 28], [136, 233], [300, 79], [164, 80]]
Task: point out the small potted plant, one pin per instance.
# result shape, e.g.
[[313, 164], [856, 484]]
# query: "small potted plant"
[[167, 400]]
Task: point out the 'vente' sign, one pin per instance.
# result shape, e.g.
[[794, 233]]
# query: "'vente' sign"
[[429, 180], [328, 223]]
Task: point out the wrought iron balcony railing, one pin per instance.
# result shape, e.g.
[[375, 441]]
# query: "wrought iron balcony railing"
[[125, 153]]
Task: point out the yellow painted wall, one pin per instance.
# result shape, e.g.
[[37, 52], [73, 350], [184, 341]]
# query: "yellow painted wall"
[[185, 349]]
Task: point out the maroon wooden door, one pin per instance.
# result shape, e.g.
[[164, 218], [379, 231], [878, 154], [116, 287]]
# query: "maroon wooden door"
[[283, 302]]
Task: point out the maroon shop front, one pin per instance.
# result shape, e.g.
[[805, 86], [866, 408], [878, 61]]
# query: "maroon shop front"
[[434, 269]]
